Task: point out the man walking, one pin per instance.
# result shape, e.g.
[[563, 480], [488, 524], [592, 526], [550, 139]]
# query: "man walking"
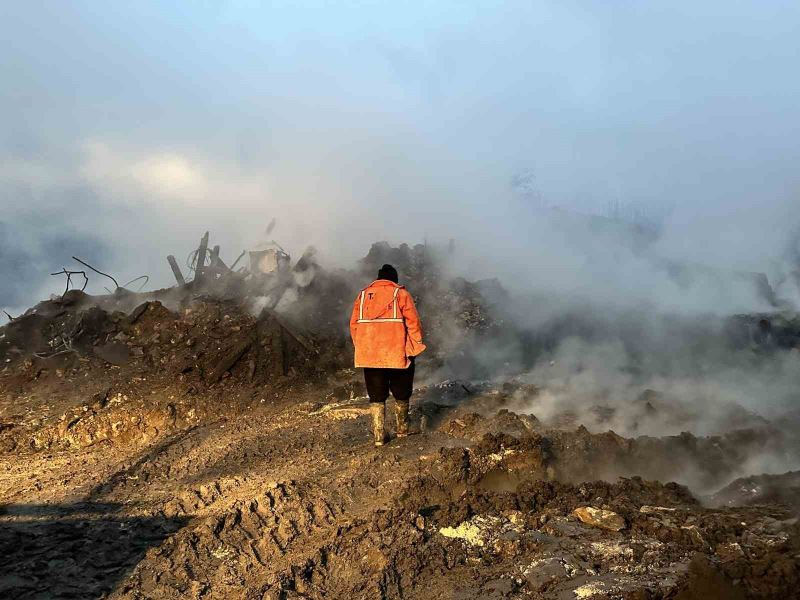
[[387, 335]]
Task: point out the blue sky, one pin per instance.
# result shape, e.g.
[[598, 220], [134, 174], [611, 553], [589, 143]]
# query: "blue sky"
[[126, 129]]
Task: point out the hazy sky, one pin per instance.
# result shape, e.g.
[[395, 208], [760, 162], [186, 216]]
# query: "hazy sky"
[[127, 128]]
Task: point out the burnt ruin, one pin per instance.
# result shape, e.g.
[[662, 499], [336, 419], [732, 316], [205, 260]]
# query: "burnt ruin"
[[218, 427]]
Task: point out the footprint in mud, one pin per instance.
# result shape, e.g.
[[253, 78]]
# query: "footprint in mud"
[[72, 551]]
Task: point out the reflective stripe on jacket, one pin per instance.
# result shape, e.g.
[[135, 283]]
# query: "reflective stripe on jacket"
[[385, 326]]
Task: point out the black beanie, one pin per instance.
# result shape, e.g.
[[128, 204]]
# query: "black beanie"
[[388, 272]]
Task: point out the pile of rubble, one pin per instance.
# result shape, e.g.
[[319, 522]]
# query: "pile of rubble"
[[276, 316], [272, 323], [207, 336]]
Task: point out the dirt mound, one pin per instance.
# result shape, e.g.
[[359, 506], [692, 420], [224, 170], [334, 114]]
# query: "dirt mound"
[[760, 489], [205, 335], [705, 463], [125, 377]]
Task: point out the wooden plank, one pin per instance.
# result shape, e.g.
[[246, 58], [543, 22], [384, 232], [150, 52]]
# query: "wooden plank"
[[137, 312], [230, 359], [297, 337], [201, 258], [176, 270], [216, 261]]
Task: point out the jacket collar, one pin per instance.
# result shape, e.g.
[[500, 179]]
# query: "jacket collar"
[[384, 282]]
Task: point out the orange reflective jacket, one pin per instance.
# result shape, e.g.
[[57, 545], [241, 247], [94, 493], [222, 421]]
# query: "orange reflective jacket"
[[385, 326]]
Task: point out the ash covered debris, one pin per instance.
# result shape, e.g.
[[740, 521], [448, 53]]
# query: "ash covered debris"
[[203, 334], [474, 328], [298, 311]]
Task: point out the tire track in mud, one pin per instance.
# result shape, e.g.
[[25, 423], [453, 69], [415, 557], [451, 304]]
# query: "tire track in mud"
[[150, 456], [190, 473], [370, 545], [372, 527], [267, 541], [244, 547], [146, 489]]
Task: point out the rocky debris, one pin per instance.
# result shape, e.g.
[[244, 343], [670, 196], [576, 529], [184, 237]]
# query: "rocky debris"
[[119, 419], [154, 367], [206, 336], [474, 426], [760, 489], [598, 517], [411, 550], [486, 531], [114, 353]]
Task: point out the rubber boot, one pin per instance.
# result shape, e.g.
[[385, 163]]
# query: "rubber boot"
[[401, 411], [378, 422]]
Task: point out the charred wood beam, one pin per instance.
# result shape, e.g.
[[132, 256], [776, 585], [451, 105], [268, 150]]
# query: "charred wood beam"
[[278, 348], [137, 312], [216, 261], [176, 270], [230, 359], [297, 337], [201, 258]]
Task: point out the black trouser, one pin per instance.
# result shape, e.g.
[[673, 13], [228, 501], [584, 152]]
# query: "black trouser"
[[381, 381]]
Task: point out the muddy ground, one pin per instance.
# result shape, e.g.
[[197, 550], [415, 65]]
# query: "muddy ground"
[[165, 476]]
